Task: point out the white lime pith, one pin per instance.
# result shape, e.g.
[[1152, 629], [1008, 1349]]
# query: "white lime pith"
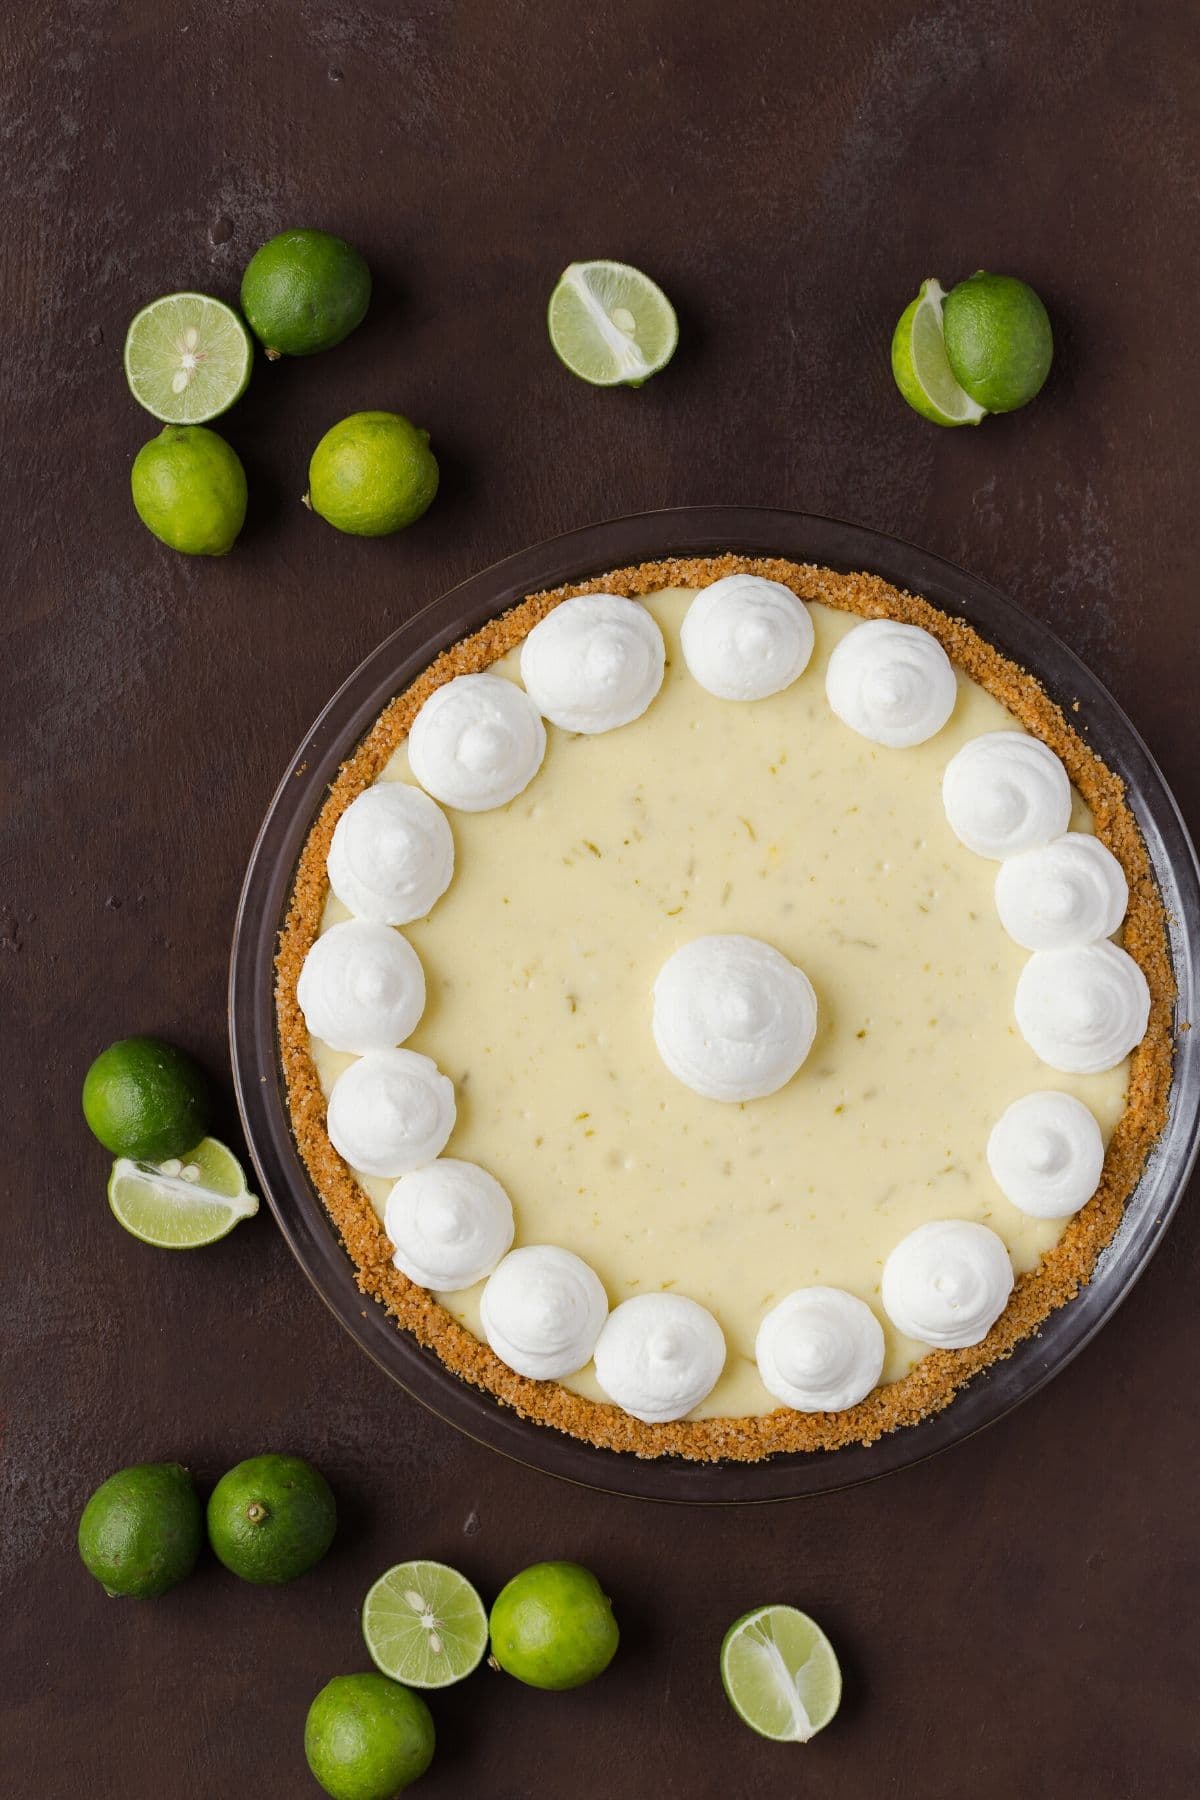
[[185, 1202], [610, 324], [921, 367], [781, 1674], [187, 358], [424, 1625]]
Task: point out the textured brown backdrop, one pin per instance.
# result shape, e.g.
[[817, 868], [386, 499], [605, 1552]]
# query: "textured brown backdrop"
[[1017, 1618]]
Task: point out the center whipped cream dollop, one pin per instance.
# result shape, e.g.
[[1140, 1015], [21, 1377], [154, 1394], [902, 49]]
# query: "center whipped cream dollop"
[[733, 1018], [392, 855], [820, 1350], [1084, 1009], [594, 663], [1072, 891], [362, 987], [450, 1223], [892, 683], [745, 638], [390, 1112], [659, 1355], [477, 742], [947, 1283], [542, 1311], [1004, 793], [1047, 1154]]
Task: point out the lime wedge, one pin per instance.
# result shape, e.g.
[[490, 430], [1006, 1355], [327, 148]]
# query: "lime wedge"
[[610, 324], [187, 358], [781, 1674], [921, 366], [424, 1624], [184, 1202]]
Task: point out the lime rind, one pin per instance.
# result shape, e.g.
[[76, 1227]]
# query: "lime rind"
[[184, 1203], [188, 358], [780, 1674], [921, 367], [610, 324], [425, 1625]]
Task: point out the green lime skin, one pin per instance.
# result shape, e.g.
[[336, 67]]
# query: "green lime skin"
[[189, 488], [367, 1738], [552, 1626], [141, 1531], [372, 474], [271, 1518], [305, 291], [998, 340], [146, 1100]]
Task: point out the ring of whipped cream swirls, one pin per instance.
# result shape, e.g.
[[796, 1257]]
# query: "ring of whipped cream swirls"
[[733, 1019]]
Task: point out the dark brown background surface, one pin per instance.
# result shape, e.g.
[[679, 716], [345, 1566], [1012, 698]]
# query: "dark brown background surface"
[[1017, 1618]]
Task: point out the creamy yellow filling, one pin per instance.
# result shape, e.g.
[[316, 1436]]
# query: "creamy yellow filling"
[[774, 819]]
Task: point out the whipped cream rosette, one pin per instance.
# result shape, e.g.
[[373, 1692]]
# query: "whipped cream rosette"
[[450, 1223], [391, 1111], [659, 1355], [392, 855], [1004, 793], [1047, 1154], [594, 663], [477, 742], [733, 1018], [1072, 891], [745, 638], [947, 1283], [542, 1311], [891, 683], [820, 1350], [362, 987], [1084, 1009]]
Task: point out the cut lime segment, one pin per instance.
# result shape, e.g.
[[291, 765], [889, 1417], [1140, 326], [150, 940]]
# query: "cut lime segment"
[[921, 366], [424, 1624], [184, 1202], [781, 1674], [187, 358], [610, 324]]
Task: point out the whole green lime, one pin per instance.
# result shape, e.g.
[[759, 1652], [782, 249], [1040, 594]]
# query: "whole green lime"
[[371, 474], [998, 340], [189, 489], [271, 1518], [367, 1738], [552, 1626], [146, 1100], [141, 1531], [305, 291]]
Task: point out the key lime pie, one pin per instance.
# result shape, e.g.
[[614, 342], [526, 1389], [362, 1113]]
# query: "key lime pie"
[[724, 1006]]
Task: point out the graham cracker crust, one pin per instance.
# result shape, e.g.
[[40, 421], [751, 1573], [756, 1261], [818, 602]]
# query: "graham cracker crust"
[[937, 1378]]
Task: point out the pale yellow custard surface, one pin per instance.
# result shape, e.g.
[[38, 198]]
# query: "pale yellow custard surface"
[[771, 818]]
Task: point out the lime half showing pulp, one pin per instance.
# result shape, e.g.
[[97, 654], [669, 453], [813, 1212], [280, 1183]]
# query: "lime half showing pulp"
[[187, 358], [424, 1624], [921, 367], [610, 324], [781, 1674], [184, 1202]]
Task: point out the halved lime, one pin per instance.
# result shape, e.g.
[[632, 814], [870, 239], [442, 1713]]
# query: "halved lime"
[[184, 1202], [424, 1624], [922, 368], [780, 1673], [610, 324], [187, 358]]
